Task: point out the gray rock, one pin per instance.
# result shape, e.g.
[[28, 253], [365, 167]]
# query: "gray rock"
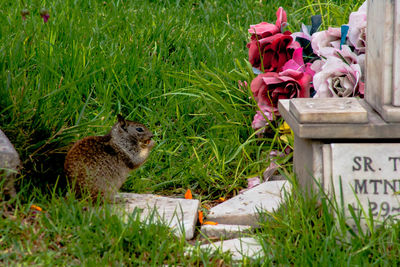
[[9, 164], [224, 231], [179, 214], [243, 209], [239, 247]]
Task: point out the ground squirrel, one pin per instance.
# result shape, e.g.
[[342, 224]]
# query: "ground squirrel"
[[101, 164]]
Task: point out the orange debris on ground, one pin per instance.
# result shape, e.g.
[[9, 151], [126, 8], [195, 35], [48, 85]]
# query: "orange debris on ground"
[[34, 207], [201, 217], [188, 194], [210, 223]]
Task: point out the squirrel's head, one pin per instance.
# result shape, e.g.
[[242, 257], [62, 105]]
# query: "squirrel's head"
[[130, 133]]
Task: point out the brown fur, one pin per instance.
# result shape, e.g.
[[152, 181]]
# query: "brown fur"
[[101, 164]]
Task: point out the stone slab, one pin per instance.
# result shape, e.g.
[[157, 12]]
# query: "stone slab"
[[376, 128], [368, 173], [328, 110], [239, 247], [224, 231], [243, 209], [179, 214], [9, 163]]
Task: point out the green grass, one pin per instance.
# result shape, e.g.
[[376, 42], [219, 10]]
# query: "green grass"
[[174, 66]]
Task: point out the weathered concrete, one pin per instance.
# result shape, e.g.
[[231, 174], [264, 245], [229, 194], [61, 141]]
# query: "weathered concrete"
[[179, 214], [328, 110], [382, 90], [376, 128], [240, 247], [243, 209], [9, 164], [368, 174], [224, 231]]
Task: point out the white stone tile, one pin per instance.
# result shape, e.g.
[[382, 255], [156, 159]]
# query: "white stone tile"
[[179, 214], [243, 209], [9, 163], [224, 231], [328, 110], [239, 247]]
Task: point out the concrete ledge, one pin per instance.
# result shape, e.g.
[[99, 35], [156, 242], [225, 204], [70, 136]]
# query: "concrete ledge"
[[391, 113], [375, 128]]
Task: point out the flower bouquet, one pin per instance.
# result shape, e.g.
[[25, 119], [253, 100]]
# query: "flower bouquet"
[[309, 63]]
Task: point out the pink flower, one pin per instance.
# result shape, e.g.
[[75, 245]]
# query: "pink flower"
[[269, 87], [358, 26], [259, 120], [45, 15], [265, 29], [345, 54], [281, 19], [337, 78], [252, 182], [262, 30], [297, 63], [329, 38], [303, 34], [242, 85], [272, 52]]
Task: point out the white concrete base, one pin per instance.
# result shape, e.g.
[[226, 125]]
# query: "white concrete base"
[[240, 247], [224, 231], [244, 209], [179, 214]]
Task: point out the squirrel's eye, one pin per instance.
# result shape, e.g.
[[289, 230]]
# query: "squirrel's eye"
[[139, 129]]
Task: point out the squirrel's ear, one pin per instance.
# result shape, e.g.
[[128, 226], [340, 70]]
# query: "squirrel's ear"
[[121, 120]]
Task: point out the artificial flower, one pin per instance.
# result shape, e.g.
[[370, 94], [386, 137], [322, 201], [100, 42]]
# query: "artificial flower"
[[297, 63], [271, 53], [328, 38], [337, 78], [358, 27], [269, 87]]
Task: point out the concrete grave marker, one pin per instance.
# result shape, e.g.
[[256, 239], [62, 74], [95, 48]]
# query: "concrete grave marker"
[[354, 144], [369, 172]]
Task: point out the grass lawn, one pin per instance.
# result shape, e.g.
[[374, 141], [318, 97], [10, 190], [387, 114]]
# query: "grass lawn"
[[173, 66]]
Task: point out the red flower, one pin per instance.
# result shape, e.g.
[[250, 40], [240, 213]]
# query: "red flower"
[[269, 87], [272, 52], [262, 30], [265, 29], [269, 48]]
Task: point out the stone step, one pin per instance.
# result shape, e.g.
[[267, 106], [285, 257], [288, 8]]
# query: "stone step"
[[239, 247], [224, 231], [9, 163], [244, 209], [179, 214]]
